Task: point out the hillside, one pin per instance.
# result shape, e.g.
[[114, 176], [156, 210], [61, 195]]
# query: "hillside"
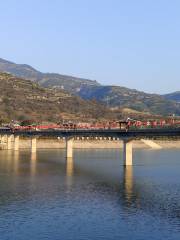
[[22, 99], [173, 96], [69, 83], [111, 96], [122, 97]]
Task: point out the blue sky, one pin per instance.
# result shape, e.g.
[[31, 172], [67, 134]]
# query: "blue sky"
[[132, 43]]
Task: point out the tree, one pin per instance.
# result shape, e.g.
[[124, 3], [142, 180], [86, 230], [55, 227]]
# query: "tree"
[[27, 122]]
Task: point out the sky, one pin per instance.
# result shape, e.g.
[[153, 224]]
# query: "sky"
[[131, 43]]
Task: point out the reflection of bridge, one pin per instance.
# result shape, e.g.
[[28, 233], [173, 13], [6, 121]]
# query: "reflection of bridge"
[[10, 140], [129, 192]]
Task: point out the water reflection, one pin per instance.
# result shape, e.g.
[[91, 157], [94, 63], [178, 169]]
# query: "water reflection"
[[8, 160], [95, 198], [132, 191], [69, 171], [33, 165], [69, 167], [128, 183], [16, 162]]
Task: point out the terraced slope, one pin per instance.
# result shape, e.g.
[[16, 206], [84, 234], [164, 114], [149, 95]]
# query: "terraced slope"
[[22, 99]]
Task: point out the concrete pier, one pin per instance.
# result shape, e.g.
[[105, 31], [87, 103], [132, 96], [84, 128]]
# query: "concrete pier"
[[9, 141], [3, 142], [69, 147], [3, 139], [127, 153], [33, 144]]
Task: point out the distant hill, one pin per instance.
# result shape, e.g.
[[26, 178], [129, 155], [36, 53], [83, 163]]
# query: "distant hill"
[[115, 96], [69, 83], [173, 96], [110, 96], [23, 99]]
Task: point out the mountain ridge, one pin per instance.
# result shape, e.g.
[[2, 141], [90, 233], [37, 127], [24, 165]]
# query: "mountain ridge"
[[45, 79], [111, 96], [175, 96], [23, 99]]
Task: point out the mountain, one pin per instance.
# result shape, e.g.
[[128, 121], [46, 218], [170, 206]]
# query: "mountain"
[[69, 83], [122, 97], [23, 99], [173, 96], [111, 96]]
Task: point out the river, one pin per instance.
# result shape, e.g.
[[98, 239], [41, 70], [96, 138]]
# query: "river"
[[43, 196]]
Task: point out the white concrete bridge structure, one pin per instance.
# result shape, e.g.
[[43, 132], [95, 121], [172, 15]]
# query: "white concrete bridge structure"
[[9, 140]]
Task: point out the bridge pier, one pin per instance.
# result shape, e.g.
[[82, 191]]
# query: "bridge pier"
[[16, 143], [69, 147], [9, 141], [33, 144], [3, 139], [127, 152]]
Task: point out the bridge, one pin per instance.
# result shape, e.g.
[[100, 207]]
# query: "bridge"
[[10, 139]]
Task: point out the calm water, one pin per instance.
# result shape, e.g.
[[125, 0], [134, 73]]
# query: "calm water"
[[43, 196]]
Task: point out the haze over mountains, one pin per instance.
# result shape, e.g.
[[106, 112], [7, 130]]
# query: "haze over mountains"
[[111, 96]]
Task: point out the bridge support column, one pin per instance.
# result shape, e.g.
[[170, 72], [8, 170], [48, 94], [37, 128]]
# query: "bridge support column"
[[1, 143], [3, 138], [16, 143], [33, 144], [69, 148], [127, 153], [9, 141]]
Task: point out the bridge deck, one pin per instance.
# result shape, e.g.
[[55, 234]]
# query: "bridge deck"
[[117, 133]]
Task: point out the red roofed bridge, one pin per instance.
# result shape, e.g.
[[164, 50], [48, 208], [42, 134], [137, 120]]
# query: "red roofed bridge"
[[10, 139]]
